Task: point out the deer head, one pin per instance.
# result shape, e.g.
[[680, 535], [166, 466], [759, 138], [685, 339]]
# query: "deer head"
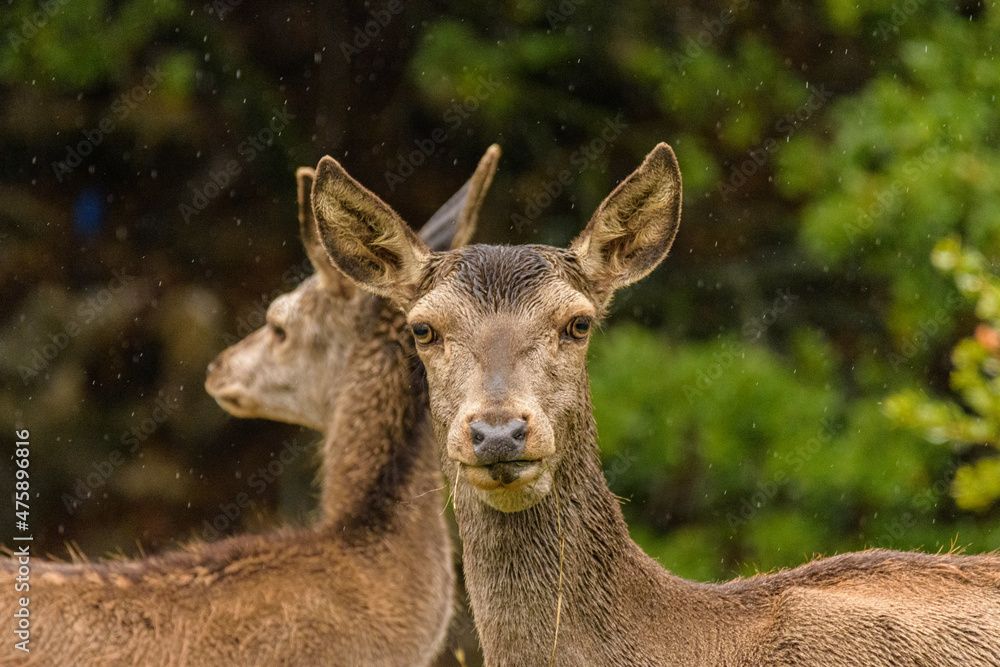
[[288, 369], [502, 330]]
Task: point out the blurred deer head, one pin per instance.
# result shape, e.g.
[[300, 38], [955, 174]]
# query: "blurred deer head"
[[288, 369]]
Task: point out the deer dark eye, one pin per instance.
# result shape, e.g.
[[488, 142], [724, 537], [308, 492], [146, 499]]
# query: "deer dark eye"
[[578, 327], [278, 332], [423, 333]]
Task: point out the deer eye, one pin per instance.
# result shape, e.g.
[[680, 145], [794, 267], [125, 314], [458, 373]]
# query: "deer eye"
[[423, 333], [578, 327], [278, 332]]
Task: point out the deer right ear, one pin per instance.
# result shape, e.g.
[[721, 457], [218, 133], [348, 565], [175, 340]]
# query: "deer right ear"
[[364, 237], [634, 226], [453, 225]]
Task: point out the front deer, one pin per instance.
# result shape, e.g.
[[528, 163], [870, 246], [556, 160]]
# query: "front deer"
[[372, 583], [551, 571]]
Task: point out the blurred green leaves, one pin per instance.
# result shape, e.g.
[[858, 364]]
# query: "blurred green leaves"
[[972, 418], [67, 45]]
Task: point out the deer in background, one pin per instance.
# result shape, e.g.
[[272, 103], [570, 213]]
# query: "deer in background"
[[552, 573], [372, 583]]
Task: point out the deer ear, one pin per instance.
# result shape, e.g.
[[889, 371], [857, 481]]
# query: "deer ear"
[[634, 227], [453, 225], [331, 279], [364, 237], [479, 184]]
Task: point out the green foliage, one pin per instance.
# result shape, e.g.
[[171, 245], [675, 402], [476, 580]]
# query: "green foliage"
[[915, 156], [764, 445], [973, 417], [69, 45]]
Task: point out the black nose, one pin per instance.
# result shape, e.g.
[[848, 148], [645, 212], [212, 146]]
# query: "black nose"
[[494, 444]]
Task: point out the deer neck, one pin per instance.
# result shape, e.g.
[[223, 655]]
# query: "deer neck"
[[512, 566], [378, 457]]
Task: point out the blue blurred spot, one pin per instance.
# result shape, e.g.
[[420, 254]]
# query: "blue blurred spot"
[[88, 213]]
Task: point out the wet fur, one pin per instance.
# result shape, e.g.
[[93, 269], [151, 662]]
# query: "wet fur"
[[499, 349], [340, 593]]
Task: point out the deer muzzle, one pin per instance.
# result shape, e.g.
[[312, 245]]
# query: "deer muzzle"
[[500, 449]]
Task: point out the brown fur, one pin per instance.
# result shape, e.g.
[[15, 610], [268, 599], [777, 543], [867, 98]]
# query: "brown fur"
[[371, 584], [549, 565]]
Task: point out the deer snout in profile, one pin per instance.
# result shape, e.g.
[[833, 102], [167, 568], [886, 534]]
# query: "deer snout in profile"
[[222, 384]]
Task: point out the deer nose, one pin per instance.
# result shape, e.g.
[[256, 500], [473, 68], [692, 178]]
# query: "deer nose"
[[212, 365], [495, 444]]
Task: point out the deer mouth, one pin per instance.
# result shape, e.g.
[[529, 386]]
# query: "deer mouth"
[[229, 400], [504, 474], [233, 403]]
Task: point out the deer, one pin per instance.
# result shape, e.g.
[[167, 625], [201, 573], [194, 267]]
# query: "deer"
[[373, 581], [552, 574]]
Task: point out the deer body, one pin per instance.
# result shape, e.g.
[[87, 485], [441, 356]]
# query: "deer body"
[[552, 573], [372, 583], [343, 592], [620, 607]]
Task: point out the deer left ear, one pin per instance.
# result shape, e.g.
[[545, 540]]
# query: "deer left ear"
[[330, 278], [364, 237], [634, 227]]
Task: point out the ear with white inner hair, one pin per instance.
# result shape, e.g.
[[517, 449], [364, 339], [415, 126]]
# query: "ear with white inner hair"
[[453, 225], [364, 237], [634, 227], [329, 276]]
